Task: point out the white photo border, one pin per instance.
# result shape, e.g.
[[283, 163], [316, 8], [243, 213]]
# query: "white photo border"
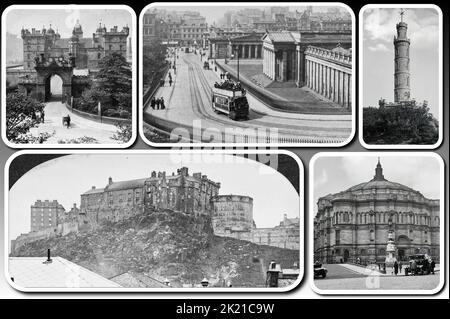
[[133, 69], [312, 211], [201, 153], [240, 4], [361, 77]]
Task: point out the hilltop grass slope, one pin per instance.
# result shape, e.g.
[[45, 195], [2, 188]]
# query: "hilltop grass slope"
[[166, 244]]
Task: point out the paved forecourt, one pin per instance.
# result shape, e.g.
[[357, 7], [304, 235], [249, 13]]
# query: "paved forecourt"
[[79, 126]]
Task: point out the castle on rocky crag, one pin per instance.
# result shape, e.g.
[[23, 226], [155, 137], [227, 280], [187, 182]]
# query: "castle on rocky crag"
[[196, 195]]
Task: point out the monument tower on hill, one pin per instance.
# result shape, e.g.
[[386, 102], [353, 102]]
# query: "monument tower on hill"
[[402, 91]]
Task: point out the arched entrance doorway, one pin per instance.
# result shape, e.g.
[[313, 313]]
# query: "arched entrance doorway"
[[48, 70], [346, 255], [403, 244], [53, 87]]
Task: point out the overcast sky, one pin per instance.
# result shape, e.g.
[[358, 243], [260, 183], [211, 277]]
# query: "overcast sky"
[[379, 28], [214, 13], [66, 178], [335, 174], [64, 20]]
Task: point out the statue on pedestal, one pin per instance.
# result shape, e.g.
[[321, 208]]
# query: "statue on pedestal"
[[390, 250]]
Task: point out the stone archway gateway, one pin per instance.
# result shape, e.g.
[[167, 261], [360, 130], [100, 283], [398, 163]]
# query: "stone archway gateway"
[[48, 67]]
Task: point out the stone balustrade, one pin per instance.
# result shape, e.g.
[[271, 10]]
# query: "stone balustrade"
[[329, 54]]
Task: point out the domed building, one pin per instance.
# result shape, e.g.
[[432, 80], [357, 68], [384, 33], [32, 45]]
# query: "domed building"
[[355, 223]]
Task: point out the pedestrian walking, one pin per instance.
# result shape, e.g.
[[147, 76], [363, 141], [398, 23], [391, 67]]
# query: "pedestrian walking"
[[396, 267], [215, 68], [158, 103], [400, 267], [413, 267], [42, 116], [162, 104], [153, 102], [170, 81], [162, 82], [432, 265], [68, 120]]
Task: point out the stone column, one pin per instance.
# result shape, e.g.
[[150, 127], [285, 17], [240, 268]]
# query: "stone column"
[[333, 83], [316, 76], [329, 83], [308, 70], [273, 66], [349, 90], [284, 69], [320, 78], [345, 89]]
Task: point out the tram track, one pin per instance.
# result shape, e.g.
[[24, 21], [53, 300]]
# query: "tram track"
[[284, 136], [200, 92]]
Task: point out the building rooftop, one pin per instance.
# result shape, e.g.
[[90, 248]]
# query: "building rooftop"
[[283, 36], [33, 272], [135, 183]]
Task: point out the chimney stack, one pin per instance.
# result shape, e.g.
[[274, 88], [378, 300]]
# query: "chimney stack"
[[110, 181]]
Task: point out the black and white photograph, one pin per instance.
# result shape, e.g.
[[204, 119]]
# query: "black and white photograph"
[[247, 74], [156, 221], [68, 76], [378, 228], [401, 83]]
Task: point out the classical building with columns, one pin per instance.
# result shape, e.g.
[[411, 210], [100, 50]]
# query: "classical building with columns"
[[285, 55], [354, 224], [329, 73], [279, 62], [248, 46]]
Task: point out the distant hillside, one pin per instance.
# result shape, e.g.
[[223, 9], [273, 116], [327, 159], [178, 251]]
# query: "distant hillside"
[[166, 244]]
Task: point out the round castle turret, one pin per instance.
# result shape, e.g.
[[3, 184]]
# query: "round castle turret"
[[232, 213]]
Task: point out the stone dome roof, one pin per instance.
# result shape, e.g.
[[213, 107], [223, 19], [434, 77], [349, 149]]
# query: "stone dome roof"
[[379, 182]]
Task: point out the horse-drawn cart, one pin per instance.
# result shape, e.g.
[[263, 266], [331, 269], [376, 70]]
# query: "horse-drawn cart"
[[66, 121]]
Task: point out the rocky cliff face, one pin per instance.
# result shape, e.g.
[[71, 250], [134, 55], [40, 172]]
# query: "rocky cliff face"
[[166, 244]]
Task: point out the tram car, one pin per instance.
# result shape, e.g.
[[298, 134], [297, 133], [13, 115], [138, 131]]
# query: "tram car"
[[230, 100]]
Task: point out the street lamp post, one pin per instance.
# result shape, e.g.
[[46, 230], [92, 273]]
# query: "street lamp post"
[[237, 59]]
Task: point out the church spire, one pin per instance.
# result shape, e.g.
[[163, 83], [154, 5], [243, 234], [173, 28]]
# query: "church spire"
[[379, 172]]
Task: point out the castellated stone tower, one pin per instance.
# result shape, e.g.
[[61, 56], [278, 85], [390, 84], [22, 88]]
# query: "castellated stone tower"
[[401, 75]]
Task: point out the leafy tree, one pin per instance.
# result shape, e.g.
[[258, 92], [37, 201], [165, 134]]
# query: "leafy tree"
[[21, 113], [113, 82], [124, 132], [399, 125], [112, 88], [154, 60]]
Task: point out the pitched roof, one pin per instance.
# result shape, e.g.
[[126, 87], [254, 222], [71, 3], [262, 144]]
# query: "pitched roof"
[[134, 183], [32, 272], [283, 36], [94, 191]]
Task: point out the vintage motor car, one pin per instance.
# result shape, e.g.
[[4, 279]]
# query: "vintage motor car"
[[319, 271], [422, 267]]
